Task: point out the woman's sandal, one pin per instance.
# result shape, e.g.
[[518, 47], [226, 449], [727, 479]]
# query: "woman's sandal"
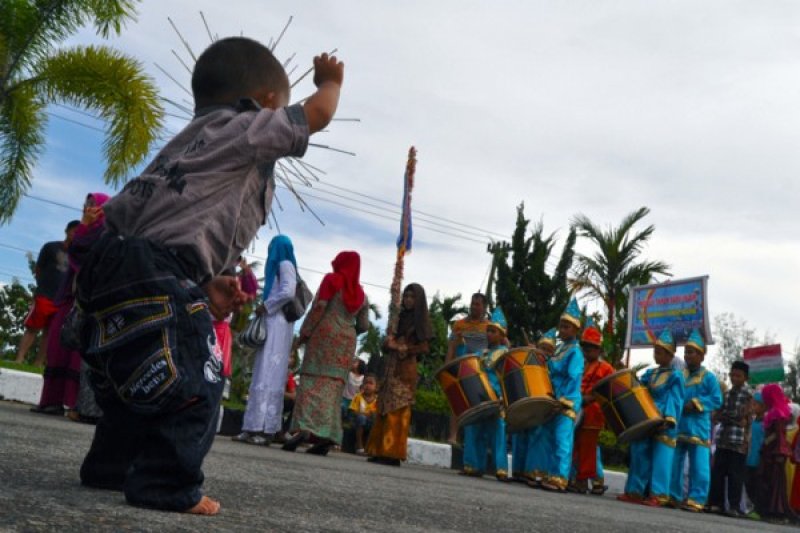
[[321, 448], [295, 440]]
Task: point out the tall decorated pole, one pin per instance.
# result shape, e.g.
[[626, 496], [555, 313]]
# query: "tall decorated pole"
[[403, 241]]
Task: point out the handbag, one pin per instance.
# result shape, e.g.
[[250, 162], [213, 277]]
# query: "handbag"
[[70, 334], [296, 308], [254, 335]]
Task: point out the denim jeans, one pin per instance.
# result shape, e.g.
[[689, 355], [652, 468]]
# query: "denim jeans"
[[149, 342]]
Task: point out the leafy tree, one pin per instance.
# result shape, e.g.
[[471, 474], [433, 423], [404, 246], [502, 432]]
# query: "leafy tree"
[[35, 72], [442, 310], [732, 335], [531, 298], [613, 268], [15, 301], [792, 387]]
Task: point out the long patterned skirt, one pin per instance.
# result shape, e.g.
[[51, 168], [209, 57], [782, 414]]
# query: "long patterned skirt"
[[63, 371], [317, 408], [388, 437]]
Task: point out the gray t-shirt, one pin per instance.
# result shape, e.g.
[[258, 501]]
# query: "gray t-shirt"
[[209, 190]]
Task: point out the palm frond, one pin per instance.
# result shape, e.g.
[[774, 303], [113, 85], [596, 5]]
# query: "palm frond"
[[34, 28], [114, 86], [22, 121]]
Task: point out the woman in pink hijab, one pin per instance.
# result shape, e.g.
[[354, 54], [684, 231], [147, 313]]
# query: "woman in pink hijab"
[[62, 375], [773, 500]]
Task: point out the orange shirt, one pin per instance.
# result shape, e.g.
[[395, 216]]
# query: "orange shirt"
[[593, 372]]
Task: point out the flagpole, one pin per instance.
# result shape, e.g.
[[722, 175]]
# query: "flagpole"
[[403, 242]]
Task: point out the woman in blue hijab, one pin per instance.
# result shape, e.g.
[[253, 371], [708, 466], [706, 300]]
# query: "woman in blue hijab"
[[262, 418]]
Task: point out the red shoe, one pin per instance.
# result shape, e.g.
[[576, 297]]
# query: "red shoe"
[[628, 498], [652, 501]]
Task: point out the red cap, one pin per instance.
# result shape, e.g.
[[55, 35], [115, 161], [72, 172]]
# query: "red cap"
[[592, 336]]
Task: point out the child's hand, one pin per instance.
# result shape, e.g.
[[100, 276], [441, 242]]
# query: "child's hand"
[[224, 296], [90, 215], [328, 69]]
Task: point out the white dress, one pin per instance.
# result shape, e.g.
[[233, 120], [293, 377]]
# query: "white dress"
[[265, 402]]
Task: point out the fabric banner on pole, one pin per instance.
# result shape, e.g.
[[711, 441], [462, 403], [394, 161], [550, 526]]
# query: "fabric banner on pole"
[[679, 305], [766, 364]]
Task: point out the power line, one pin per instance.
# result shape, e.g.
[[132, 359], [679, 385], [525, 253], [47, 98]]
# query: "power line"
[[398, 211], [387, 217], [16, 276], [396, 218], [45, 200], [447, 226]]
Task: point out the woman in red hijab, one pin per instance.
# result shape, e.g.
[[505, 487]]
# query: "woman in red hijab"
[[339, 313], [62, 375]]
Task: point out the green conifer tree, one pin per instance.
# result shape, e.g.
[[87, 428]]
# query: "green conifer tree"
[[531, 297]]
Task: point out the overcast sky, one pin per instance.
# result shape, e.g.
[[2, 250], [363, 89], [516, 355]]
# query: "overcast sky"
[[690, 108]]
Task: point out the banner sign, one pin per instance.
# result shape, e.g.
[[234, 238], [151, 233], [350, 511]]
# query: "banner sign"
[[679, 305], [766, 364]]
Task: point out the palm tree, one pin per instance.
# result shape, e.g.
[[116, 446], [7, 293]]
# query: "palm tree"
[[614, 266], [35, 72]]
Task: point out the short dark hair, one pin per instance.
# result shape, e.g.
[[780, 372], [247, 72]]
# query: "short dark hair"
[[233, 68], [72, 224], [362, 367], [371, 375], [741, 365], [482, 297]]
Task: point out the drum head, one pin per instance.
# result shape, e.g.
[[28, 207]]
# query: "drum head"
[[640, 431], [529, 412], [480, 412]]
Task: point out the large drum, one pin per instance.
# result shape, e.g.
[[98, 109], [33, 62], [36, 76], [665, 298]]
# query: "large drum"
[[468, 390], [527, 392], [627, 405]]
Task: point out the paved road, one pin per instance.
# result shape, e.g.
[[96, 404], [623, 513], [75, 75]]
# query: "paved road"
[[270, 490]]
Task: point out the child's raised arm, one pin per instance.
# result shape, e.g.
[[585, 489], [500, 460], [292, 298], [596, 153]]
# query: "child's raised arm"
[[321, 106]]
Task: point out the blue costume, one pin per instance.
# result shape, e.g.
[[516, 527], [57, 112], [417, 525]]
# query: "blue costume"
[[702, 396], [488, 434], [566, 373], [529, 447], [651, 458]]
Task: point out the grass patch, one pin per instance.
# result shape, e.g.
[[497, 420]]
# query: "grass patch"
[[234, 405], [22, 367]]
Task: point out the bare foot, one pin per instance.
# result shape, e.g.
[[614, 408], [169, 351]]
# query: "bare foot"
[[206, 506]]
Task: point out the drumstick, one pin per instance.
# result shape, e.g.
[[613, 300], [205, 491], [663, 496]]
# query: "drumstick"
[[525, 336]]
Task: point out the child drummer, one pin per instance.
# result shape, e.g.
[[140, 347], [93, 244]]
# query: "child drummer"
[[651, 457], [585, 456], [702, 396], [529, 451], [489, 434], [566, 370]]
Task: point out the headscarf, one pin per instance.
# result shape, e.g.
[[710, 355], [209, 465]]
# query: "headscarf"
[[99, 199], [280, 249], [344, 278], [777, 404], [86, 235], [415, 321]]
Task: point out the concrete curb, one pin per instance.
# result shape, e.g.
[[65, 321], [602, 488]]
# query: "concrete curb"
[[18, 386]]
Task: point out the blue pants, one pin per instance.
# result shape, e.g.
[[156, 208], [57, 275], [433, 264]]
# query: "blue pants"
[[651, 463], [519, 452], [538, 456], [479, 439], [559, 434], [699, 473], [600, 472]]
